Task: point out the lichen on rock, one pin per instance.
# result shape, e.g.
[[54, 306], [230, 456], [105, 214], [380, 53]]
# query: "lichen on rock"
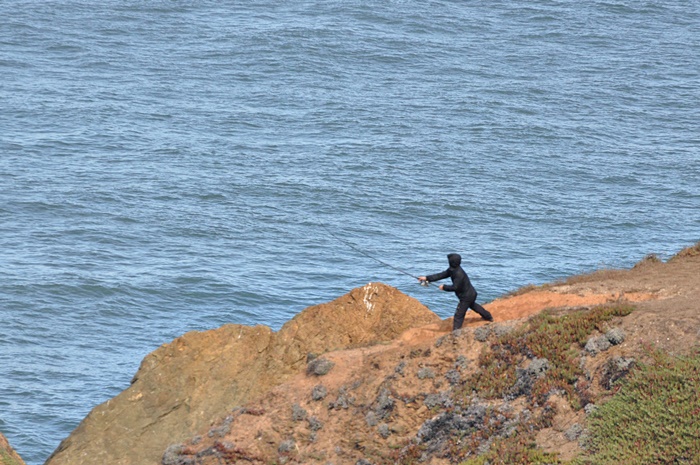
[[616, 336], [319, 367], [319, 392], [597, 344]]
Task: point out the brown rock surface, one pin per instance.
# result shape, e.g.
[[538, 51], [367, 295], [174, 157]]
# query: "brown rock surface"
[[394, 365], [380, 399], [8, 456], [182, 386]]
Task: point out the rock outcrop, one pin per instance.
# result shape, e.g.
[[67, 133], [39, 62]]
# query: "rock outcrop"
[[488, 392], [375, 377], [182, 386], [8, 456]]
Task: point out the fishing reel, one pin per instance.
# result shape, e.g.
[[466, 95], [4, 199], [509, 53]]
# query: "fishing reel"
[[425, 283]]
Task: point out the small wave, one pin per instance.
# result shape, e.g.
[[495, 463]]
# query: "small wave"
[[621, 180], [15, 64]]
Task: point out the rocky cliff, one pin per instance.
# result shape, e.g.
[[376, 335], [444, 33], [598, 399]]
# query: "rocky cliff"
[[182, 386], [516, 391], [374, 377], [8, 456]]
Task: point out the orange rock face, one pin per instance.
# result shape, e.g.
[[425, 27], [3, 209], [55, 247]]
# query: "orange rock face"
[[8, 456], [244, 393], [182, 386]]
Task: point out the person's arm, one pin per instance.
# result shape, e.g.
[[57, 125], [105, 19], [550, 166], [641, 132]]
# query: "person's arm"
[[438, 276], [447, 287]]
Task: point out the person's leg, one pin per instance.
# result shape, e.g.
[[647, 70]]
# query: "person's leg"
[[481, 311], [462, 308], [478, 308]]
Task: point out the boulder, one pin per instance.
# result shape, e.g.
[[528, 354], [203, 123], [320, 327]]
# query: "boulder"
[[616, 336], [182, 385], [526, 377], [597, 344]]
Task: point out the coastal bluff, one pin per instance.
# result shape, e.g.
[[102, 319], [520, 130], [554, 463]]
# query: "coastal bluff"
[[182, 386], [374, 377], [8, 456]]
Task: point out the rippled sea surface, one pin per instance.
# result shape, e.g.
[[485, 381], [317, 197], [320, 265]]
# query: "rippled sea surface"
[[168, 166]]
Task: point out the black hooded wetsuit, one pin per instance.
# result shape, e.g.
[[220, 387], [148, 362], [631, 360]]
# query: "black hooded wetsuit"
[[463, 288]]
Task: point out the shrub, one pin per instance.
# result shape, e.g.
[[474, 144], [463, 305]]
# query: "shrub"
[[654, 416], [545, 337], [514, 451]]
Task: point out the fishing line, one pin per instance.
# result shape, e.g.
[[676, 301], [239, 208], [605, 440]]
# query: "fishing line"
[[358, 250]]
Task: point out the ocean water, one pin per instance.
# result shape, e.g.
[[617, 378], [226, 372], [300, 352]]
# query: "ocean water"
[[168, 166]]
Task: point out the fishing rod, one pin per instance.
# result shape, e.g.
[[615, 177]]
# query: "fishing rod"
[[358, 250]]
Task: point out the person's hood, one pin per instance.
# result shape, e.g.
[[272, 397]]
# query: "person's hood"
[[454, 260]]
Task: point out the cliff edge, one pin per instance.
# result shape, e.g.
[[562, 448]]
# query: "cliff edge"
[[180, 387], [374, 377], [8, 456], [522, 390]]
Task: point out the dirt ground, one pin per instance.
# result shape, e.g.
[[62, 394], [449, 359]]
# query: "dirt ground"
[[666, 296], [402, 373]]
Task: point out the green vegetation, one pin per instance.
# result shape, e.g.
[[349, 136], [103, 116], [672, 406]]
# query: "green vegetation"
[[513, 451], [7, 459], [545, 336], [653, 418], [519, 448]]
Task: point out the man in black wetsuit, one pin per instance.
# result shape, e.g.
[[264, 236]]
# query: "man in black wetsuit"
[[462, 287]]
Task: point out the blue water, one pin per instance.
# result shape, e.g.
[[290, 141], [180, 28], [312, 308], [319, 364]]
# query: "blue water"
[[168, 166]]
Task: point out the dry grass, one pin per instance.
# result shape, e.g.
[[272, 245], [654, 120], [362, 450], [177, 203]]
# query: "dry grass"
[[692, 251], [524, 290], [649, 259]]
